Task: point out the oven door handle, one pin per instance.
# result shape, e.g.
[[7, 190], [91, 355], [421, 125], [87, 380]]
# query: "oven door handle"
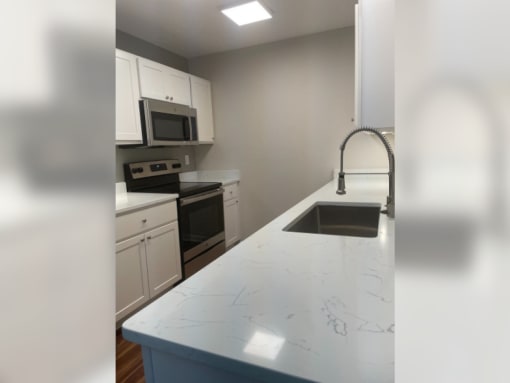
[[200, 197]]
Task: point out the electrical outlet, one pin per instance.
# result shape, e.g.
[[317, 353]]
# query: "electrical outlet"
[[186, 159]]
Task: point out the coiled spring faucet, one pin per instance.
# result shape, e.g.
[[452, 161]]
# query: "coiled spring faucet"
[[390, 200]]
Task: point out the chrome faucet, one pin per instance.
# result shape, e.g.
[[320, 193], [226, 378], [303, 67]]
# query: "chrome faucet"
[[390, 200]]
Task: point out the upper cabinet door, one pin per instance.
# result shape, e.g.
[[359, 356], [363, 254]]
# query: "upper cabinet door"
[[201, 100], [375, 63], [178, 87], [163, 83], [152, 79], [127, 114]]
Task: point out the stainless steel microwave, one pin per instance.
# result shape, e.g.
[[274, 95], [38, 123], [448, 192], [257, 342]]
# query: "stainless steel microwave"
[[166, 123]]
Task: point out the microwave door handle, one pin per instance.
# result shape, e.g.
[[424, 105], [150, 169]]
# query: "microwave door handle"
[[187, 130], [149, 132], [190, 128]]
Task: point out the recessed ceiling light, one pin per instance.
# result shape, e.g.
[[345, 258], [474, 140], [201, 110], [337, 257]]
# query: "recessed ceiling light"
[[247, 13]]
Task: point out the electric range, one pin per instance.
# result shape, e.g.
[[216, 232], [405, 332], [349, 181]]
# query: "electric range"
[[200, 209]]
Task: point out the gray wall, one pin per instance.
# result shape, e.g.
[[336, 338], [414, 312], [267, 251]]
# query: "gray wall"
[[143, 48], [137, 46], [280, 112]]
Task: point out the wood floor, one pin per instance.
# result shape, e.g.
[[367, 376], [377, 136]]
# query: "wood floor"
[[128, 363]]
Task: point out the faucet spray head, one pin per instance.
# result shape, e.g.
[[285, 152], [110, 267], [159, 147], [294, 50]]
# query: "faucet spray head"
[[341, 183]]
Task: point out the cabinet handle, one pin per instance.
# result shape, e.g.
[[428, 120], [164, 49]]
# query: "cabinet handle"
[[144, 220], [171, 98]]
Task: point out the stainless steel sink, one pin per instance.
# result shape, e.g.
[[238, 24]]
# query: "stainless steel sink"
[[338, 218]]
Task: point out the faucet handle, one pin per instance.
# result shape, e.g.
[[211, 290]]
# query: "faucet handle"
[[341, 183]]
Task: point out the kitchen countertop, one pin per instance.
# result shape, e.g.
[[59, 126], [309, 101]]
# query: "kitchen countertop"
[[127, 202], [284, 306], [226, 177]]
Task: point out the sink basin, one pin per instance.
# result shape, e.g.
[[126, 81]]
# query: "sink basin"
[[339, 218]]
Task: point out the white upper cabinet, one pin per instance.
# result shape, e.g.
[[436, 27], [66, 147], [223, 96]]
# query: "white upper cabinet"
[[201, 100], [139, 77], [163, 83], [127, 114], [375, 63]]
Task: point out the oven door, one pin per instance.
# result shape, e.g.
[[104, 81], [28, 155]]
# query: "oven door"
[[201, 223]]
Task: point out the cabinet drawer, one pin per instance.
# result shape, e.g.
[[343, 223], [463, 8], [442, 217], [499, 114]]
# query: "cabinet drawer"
[[142, 220], [230, 191]]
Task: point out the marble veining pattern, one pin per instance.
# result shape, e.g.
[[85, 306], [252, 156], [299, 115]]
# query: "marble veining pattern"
[[322, 304]]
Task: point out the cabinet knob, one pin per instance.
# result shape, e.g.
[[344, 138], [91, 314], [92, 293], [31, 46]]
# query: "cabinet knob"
[[144, 220], [166, 98], [142, 240], [171, 98], [149, 237]]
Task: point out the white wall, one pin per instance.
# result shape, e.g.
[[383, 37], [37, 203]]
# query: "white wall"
[[280, 112]]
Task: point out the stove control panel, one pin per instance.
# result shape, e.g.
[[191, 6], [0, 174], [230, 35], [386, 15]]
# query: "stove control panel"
[[137, 170]]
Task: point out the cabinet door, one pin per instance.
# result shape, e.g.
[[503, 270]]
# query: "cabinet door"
[[232, 224], [163, 258], [127, 114], [131, 276], [375, 63], [163, 83], [177, 86], [152, 79], [201, 100]]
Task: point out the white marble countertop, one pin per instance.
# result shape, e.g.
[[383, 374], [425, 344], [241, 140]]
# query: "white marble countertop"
[[126, 202], [226, 177], [283, 305]]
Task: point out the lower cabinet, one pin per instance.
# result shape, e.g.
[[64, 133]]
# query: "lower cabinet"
[[163, 258], [146, 265], [132, 289], [231, 213]]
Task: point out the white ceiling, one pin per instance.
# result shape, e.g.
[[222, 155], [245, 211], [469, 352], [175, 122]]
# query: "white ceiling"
[[193, 28]]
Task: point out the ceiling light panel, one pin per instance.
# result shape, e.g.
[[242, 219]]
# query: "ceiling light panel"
[[247, 13]]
